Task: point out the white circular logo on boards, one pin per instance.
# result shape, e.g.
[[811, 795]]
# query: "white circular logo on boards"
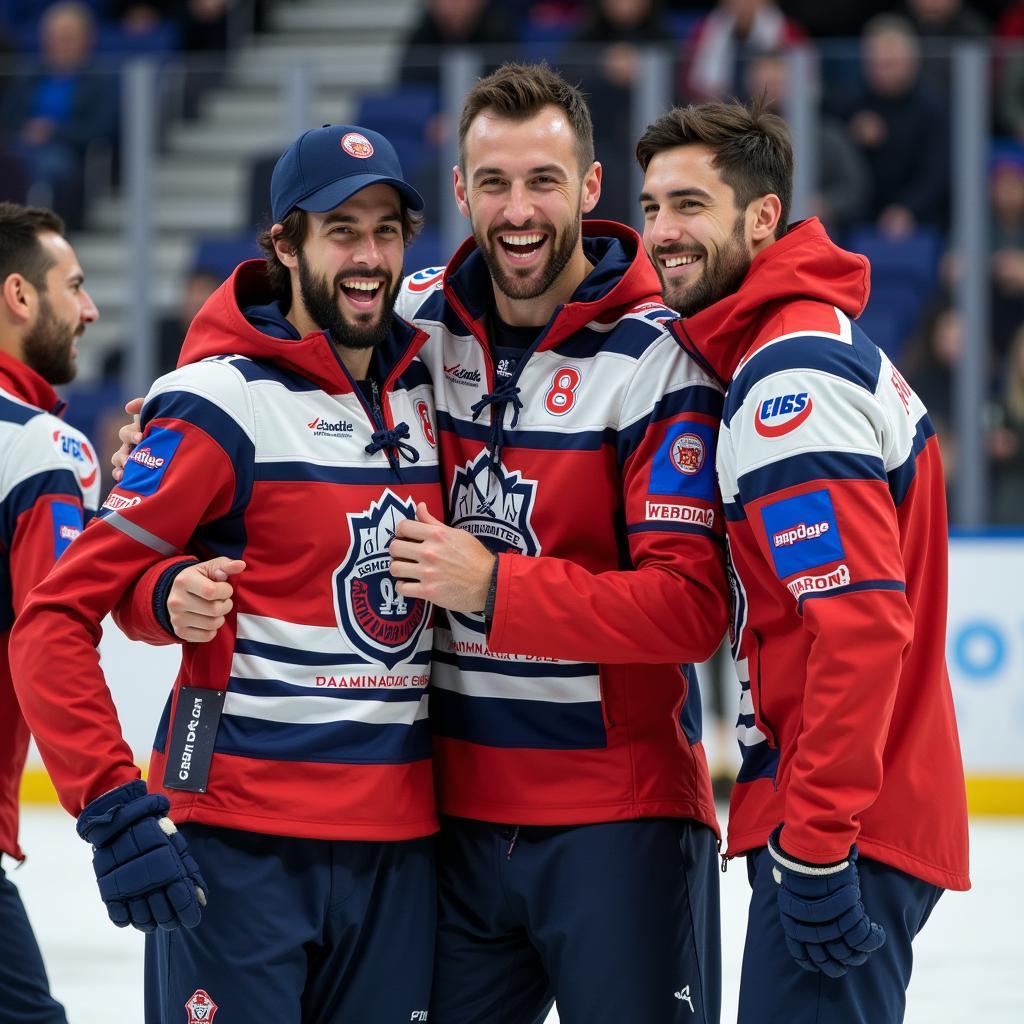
[[357, 145]]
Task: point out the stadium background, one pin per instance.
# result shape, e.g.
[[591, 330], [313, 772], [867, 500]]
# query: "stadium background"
[[153, 127]]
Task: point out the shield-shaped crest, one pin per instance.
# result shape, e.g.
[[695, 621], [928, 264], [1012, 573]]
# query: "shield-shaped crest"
[[201, 1008], [381, 623]]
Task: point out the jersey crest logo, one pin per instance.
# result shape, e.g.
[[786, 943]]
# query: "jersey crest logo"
[[787, 411], [201, 1008], [357, 145], [424, 280], [80, 453], [381, 623], [495, 506], [688, 454]]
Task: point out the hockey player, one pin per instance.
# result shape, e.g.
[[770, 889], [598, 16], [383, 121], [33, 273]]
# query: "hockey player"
[[49, 484], [577, 858], [296, 432], [850, 803]]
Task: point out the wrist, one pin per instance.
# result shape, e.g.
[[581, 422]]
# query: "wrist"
[[162, 591], [492, 592], [789, 862]]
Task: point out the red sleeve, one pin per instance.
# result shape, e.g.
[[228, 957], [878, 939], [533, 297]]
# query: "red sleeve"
[[671, 606], [54, 660], [134, 614]]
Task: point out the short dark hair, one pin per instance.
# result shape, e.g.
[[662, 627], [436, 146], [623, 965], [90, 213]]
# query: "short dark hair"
[[296, 228], [751, 147], [20, 249], [520, 91]]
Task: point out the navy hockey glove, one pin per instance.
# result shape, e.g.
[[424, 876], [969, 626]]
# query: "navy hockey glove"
[[826, 926], [147, 877]]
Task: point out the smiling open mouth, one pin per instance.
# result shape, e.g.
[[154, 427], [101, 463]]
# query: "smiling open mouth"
[[679, 260], [362, 290], [521, 246]]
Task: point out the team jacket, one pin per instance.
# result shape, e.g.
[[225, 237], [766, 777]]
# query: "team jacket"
[[49, 482], [590, 472], [836, 517], [270, 454]]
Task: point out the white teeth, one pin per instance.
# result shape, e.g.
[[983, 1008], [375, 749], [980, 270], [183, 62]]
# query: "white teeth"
[[361, 284], [679, 261], [522, 239]]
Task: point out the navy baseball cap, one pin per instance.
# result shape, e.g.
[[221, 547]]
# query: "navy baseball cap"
[[326, 166]]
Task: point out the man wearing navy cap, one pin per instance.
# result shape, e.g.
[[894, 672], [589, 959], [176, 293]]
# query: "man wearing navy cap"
[[279, 855]]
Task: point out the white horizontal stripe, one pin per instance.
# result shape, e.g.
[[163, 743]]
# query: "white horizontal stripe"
[[746, 703], [492, 684], [742, 669], [749, 735], [266, 630], [251, 666], [216, 381], [323, 710]]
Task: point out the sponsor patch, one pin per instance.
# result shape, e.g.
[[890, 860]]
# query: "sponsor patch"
[[459, 374], [67, 525], [426, 424], [357, 145], [379, 622], [200, 1007], [193, 733], [330, 428], [902, 388], [424, 280], [148, 462], [782, 414], [669, 512], [684, 465], [118, 502], [81, 454], [838, 577], [802, 532]]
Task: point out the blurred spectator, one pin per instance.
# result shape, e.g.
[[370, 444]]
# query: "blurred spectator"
[[901, 127], [52, 114], [1006, 441], [196, 289], [715, 56], [1008, 57], [1006, 190], [605, 58], [205, 25], [844, 181], [836, 19], [938, 24], [446, 24]]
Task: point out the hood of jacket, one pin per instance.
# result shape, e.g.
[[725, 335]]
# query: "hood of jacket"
[[621, 279], [239, 319], [803, 265], [21, 380]]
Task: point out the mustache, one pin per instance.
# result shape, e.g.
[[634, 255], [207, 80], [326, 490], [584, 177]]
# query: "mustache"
[[502, 229], [679, 250], [367, 275]]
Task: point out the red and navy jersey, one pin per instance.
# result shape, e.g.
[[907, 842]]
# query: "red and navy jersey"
[[589, 468], [834, 500], [261, 447], [49, 486]]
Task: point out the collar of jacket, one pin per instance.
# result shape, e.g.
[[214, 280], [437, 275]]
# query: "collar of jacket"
[[23, 381]]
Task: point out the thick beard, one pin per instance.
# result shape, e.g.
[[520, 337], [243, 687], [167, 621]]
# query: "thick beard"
[[321, 302], [523, 287], [720, 278], [47, 346]]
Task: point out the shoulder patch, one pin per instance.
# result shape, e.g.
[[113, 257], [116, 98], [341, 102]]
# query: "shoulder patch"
[[424, 280], [684, 465], [77, 451], [802, 533], [145, 468], [67, 525], [779, 415]]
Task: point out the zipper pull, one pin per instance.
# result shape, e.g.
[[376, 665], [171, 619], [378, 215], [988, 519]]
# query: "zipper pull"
[[512, 843]]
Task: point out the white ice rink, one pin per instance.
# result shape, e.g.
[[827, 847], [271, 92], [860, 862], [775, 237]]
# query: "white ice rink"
[[968, 960]]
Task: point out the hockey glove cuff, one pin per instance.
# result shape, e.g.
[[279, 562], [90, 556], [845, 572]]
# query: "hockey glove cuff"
[[826, 926], [146, 875]]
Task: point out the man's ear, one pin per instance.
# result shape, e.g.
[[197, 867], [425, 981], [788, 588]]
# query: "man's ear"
[[767, 211], [285, 253], [19, 298], [459, 187], [591, 187]]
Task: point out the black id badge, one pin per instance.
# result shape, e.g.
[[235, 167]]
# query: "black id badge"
[[193, 732]]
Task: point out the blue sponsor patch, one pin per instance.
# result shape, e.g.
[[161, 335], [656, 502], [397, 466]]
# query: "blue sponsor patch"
[[67, 525], [148, 462], [802, 532], [684, 465]]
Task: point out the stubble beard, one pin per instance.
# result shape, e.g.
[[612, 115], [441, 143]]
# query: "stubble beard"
[[719, 279], [47, 347]]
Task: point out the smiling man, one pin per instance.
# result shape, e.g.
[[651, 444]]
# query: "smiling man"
[[49, 482], [849, 804], [294, 751], [577, 856]]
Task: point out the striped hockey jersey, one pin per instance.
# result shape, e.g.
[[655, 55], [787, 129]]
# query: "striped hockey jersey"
[[590, 471], [49, 484], [835, 509], [260, 447]]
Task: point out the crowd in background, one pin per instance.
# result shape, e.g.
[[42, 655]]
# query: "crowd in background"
[[882, 71]]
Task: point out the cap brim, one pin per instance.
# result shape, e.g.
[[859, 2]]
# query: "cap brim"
[[343, 189]]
